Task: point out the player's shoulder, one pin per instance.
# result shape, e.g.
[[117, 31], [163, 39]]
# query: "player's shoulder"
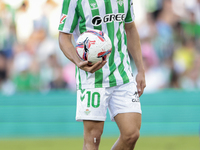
[[71, 1]]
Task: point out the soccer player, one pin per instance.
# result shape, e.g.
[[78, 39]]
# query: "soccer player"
[[107, 84]]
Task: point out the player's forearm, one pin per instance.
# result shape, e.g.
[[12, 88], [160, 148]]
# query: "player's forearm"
[[68, 48], [133, 44]]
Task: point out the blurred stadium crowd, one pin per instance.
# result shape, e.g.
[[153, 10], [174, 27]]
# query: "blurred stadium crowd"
[[30, 58]]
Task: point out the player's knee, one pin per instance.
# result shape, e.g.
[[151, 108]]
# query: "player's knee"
[[97, 136], [131, 138], [94, 136]]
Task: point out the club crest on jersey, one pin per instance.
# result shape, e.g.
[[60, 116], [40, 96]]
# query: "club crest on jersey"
[[120, 2], [93, 6], [63, 18]]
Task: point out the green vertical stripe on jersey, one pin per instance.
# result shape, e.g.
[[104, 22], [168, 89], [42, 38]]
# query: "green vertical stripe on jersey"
[[99, 73], [128, 16], [119, 37], [79, 76], [82, 28], [110, 27], [82, 23], [125, 42], [95, 11], [75, 20], [64, 11]]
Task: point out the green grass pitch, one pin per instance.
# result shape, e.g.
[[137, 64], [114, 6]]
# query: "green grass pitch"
[[144, 143]]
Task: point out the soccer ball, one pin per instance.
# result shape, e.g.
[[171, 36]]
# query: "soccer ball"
[[93, 46]]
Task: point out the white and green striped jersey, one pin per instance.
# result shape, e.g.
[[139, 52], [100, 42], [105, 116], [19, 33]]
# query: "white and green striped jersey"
[[110, 17]]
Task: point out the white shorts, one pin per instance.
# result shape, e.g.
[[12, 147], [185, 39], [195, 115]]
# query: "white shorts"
[[92, 104]]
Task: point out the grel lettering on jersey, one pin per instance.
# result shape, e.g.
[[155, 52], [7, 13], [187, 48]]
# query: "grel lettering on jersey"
[[98, 20], [63, 17]]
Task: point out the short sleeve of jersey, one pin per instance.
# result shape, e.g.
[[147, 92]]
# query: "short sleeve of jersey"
[[130, 17], [69, 16]]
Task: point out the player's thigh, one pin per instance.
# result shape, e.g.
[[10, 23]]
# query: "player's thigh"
[[93, 128], [125, 99], [128, 123], [92, 104]]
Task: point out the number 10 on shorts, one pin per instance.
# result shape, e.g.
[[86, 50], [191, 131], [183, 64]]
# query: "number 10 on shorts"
[[93, 98]]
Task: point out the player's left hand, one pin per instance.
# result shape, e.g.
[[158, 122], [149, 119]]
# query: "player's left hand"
[[141, 83], [91, 68]]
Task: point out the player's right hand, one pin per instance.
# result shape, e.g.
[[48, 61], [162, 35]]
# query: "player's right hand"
[[84, 65]]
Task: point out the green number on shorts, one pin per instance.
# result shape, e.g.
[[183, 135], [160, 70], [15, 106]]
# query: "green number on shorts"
[[95, 96], [93, 99], [89, 94]]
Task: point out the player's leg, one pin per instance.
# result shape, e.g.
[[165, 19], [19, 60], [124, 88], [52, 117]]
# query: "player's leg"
[[129, 126], [91, 109], [125, 109], [92, 134]]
